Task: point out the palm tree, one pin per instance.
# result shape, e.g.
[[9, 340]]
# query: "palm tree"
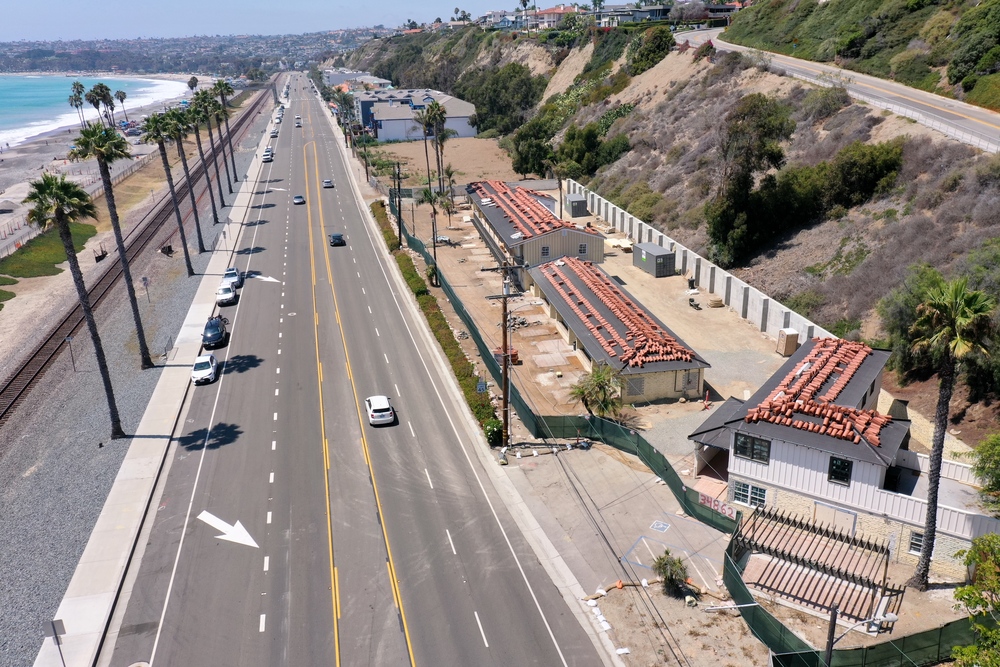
[[63, 202], [193, 83], [96, 141], [953, 326], [103, 95], [430, 197], [425, 120], [196, 115], [221, 112], [178, 127], [600, 391], [222, 89], [120, 96], [449, 176], [93, 99], [155, 131], [205, 105], [76, 102]]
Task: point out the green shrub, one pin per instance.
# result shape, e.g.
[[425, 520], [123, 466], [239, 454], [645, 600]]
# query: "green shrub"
[[986, 92], [804, 303], [388, 233], [822, 103], [610, 46], [493, 428], [491, 133], [648, 49], [706, 50], [861, 171], [673, 572]]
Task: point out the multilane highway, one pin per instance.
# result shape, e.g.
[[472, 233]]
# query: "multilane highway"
[[363, 546]]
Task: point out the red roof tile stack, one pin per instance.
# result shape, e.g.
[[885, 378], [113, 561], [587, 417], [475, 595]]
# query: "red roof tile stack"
[[644, 341], [796, 395], [525, 212]]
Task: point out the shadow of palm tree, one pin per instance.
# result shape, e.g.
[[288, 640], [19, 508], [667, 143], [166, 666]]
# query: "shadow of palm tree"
[[265, 205], [241, 363], [274, 180], [219, 435], [250, 251], [253, 223]]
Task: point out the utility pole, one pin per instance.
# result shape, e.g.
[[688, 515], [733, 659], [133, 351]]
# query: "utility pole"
[[399, 203], [508, 293]]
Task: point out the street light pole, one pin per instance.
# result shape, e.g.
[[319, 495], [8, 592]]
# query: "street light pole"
[[888, 617]]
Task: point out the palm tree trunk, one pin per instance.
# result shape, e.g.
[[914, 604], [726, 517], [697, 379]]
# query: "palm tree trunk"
[[88, 314], [430, 187], [215, 161], [946, 375], [222, 148], [177, 208], [229, 138], [208, 177], [109, 196], [125, 112], [194, 202]]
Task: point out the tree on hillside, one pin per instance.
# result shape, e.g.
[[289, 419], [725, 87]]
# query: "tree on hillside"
[[156, 130], [986, 465], [107, 146], [981, 599], [953, 325], [60, 202], [750, 144]]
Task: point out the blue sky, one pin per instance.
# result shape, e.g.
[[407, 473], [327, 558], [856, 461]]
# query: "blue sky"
[[75, 19]]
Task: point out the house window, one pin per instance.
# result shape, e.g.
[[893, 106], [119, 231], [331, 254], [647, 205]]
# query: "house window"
[[582, 249], [755, 449], [840, 470], [748, 494], [545, 251], [916, 542]]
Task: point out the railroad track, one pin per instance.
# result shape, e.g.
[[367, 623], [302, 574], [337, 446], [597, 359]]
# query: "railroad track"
[[18, 385]]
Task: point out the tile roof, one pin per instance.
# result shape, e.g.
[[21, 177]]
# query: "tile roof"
[[520, 207], [600, 311]]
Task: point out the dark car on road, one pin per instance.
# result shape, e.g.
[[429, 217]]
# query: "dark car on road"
[[337, 239], [215, 332]]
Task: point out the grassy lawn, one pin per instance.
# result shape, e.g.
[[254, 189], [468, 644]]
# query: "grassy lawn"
[[39, 256]]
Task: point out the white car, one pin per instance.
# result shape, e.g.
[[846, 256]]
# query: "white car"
[[205, 369], [225, 295], [233, 277], [379, 410]]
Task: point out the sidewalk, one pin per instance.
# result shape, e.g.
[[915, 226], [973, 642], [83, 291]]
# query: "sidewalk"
[[98, 581]]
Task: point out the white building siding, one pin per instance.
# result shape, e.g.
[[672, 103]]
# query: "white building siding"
[[403, 129], [461, 126]]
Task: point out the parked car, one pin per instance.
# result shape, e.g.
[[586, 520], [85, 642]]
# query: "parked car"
[[233, 277], [337, 239], [267, 158], [328, 183], [379, 410], [298, 199], [226, 295], [215, 333], [205, 369], [274, 133]]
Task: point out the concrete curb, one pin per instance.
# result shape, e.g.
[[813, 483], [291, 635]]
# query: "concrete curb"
[[94, 591]]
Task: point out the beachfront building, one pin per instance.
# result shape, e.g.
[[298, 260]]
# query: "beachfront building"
[[811, 444], [594, 314], [388, 113]]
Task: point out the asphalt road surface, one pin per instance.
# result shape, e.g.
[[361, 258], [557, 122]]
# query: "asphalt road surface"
[[363, 545]]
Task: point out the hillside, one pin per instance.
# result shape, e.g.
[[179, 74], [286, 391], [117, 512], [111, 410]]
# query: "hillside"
[[948, 47], [854, 199]]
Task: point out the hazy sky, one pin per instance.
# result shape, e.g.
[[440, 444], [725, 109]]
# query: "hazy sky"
[[76, 19]]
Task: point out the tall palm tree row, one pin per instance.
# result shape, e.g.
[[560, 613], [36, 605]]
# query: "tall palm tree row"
[[156, 130], [196, 116], [953, 325], [220, 112], [222, 89], [76, 100], [61, 202], [107, 146], [94, 100], [426, 121], [177, 127], [204, 105]]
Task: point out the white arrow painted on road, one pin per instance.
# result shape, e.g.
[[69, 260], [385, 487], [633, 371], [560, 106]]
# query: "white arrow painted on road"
[[235, 533], [266, 279]]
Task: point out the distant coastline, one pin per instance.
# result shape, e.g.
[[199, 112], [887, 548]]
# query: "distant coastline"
[[29, 119]]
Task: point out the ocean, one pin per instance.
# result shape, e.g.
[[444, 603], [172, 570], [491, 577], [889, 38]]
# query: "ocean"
[[31, 105]]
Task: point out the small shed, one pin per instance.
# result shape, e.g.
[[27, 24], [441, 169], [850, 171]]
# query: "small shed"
[[654, 260], [577, 205]]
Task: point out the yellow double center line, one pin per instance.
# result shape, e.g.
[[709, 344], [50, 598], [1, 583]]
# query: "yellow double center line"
[[393, 579]]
